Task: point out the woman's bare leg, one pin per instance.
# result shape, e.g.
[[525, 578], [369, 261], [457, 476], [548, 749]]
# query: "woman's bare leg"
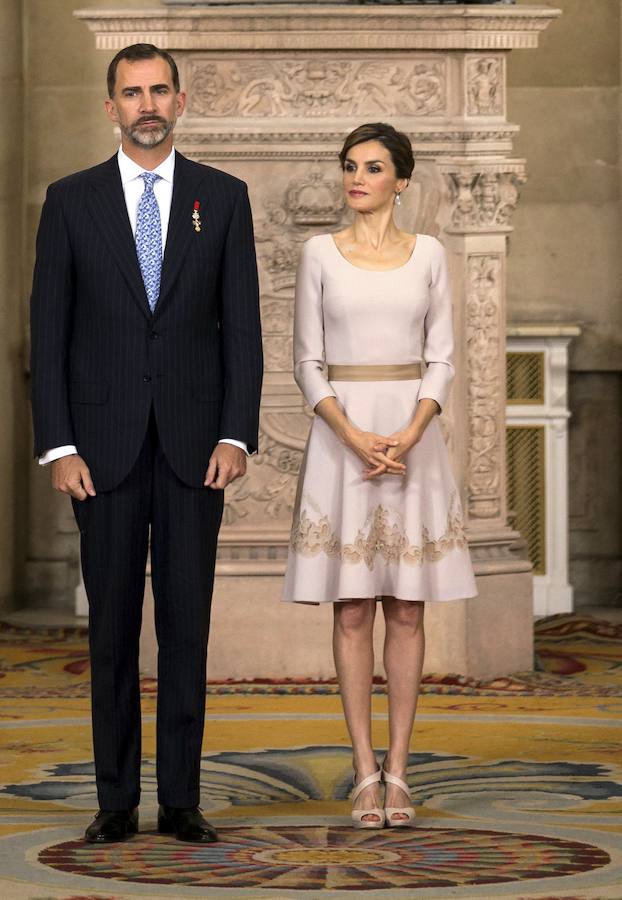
[[354, 661], [404, 648]]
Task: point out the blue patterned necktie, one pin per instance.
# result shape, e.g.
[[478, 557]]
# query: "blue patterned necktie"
[[149, 239]]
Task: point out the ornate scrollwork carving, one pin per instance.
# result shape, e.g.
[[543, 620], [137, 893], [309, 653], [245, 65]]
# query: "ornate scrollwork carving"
[[485, 396], [484, 86], [317, 87], [277, 328], [481, 199], [266, 494]]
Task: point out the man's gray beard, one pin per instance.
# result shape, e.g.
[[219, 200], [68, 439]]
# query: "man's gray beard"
[[150, 138]]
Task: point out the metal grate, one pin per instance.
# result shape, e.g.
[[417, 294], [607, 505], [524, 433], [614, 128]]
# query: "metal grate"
[[525, 377], [526, 496]]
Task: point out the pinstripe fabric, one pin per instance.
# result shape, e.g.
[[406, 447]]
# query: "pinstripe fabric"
[[184, 526], [145, 397], [100, 358]]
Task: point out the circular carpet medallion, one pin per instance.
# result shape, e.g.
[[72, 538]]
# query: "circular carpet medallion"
[[331, 858]]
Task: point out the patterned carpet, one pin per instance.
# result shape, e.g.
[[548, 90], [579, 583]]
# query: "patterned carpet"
[[517, 783]]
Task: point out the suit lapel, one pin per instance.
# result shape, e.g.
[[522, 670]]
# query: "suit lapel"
[[180, 228], [109, 212]]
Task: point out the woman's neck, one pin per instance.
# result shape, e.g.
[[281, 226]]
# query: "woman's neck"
[[375, 229]]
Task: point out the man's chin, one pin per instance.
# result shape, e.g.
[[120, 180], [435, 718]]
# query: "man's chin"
[[148, 137]]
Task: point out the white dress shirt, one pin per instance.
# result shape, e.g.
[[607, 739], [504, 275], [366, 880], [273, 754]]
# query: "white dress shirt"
[[133, 187]]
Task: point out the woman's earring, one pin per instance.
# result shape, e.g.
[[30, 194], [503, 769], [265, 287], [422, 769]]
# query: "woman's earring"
[[398, 199]]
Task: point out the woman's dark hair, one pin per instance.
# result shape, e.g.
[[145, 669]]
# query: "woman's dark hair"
[[396, 142], [135, 53]]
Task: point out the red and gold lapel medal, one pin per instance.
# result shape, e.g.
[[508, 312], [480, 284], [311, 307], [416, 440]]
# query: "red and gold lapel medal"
[[196, 218]]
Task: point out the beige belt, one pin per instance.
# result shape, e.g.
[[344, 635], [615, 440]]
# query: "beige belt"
[[405, 372]]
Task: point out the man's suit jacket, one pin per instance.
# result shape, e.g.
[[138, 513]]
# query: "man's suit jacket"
[[101, 359]]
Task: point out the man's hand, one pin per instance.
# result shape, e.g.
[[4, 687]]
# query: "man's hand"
[[70, 475], [227, 463]]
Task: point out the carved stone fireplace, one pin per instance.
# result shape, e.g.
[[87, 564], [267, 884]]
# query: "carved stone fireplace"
[[273, 89]]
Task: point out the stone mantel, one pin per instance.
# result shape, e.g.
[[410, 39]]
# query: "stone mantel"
[[272, 91], [322, 27]]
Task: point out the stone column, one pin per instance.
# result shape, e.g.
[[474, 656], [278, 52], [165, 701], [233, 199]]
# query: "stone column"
[[273, 90]]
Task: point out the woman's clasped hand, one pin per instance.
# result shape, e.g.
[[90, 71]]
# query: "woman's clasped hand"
[[382, 455]]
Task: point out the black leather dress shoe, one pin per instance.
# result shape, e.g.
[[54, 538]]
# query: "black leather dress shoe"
[[186, 824], [111, 825]]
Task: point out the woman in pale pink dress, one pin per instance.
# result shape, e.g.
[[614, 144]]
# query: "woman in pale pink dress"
[[377, 516]]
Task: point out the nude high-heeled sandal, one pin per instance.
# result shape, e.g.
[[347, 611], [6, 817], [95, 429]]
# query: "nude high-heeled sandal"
[[357, 814], [407, 811]]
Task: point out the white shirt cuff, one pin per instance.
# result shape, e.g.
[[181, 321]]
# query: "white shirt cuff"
[[69, 449], [57, 453], [235, 443]]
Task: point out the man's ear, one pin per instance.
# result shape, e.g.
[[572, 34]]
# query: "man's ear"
[[111, 110]]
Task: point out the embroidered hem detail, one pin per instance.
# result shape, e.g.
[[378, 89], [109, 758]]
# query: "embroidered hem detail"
[[379, 537]]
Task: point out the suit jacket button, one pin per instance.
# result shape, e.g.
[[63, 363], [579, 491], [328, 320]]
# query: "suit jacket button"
[[147, 378], [154, 335]]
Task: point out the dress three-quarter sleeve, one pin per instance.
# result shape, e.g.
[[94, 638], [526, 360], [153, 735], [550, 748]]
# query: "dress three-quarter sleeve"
[[309, 352], [438, 330]]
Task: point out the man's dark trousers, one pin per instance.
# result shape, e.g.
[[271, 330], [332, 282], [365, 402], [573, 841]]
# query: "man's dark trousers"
[[115, 527]]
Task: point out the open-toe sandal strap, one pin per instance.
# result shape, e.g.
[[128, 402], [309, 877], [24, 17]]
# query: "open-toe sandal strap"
[[393, 779], [365, 783], [360, 815]]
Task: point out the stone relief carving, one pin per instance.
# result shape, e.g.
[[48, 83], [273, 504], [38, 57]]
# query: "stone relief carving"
[[307, 204], [268, 490], [317, 87], [276, 318], [484, 86], [481, 199], [485, 389], [275, 144]]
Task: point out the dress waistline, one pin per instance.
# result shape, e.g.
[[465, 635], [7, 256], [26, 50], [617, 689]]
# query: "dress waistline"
[[405, 372]]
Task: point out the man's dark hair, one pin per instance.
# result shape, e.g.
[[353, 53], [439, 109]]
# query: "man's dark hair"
[[396, 142], [134, 53]]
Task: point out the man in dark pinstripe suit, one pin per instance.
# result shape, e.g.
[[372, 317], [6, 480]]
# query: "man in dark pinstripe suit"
[[146, 377]]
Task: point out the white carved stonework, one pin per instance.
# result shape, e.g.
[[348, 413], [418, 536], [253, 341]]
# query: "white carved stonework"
[[203, 143], [485, 198], [484, 86], [267, 492], [485, 390], [316, 87], [277, 328], [273, 89], [383, 28], [305, 205]]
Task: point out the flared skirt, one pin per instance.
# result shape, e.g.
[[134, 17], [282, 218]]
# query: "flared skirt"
[[392, 536]]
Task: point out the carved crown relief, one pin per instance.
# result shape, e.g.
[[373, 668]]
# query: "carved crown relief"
[[484, 86], [317, 87], [308, 204], [315, 201]]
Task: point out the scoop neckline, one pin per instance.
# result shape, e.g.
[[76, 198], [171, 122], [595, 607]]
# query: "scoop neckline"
[[377, 271]]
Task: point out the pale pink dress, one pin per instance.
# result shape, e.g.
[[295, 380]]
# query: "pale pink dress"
[[397, 536]]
